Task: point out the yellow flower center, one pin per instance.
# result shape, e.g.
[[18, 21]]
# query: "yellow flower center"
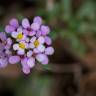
[[20, 36], [36, 43], [22, 45]]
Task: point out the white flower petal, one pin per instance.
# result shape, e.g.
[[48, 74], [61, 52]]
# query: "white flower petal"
[[40, 57], [31, 45], [14, 34], [20, 30], [35, 50], [27, 39], [29, 53], [49, 50], [15, 47], [41, 48], [33, 39], [41, 39]]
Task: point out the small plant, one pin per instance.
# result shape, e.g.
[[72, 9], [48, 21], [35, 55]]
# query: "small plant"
[[25, 43]]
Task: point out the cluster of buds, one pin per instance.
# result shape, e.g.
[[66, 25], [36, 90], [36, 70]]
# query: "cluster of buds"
[[25, 43]]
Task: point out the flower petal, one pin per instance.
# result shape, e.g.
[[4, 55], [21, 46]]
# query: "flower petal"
[[14, 59], [45, 61], [26, 70], [48, 40], [40, 57], [35, 26], [3, 36], [31, 45], [37, 19], [32, 33], [49, 50], [31, 62], [41, 39], [24, 62], [21, 52], [35, 50], [14, 22], [14, 34], [33, 39], [3, 62], [29, 53], [41, 48], [9, 41], [15, 47], [19, 30], [45, 30], [9, 29], [25, 23], [25, 31], [38, 34]]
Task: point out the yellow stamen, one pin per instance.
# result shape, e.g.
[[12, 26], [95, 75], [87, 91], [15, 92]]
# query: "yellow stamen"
[[22, 45], [36, 43], [19, 36]]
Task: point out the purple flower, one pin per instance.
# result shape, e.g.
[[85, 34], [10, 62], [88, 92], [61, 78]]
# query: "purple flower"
[[27, 27], [48, 40], [14, 59], [42, 58], [3, 62], [49, 50], [45, 30], [27, 44], [13, 25], [37, 19], [25, 67], [3, 36]]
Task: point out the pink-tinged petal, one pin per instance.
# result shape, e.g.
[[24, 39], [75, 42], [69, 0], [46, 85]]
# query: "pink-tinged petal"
[[31, 62], [45, 30], [7, 46], [26, 70], [19, 29], [14, 22], [35, 50], [41, 39], [46, 60], [35, 26], [26, 32], [38, 34], [9, 41], [33, 39], [25, 67], [3, 36], [37, 19], [48, 40], [25, 23], [2, 47], [8, 52], [24, 62], [27, 40], [31, 45], [14, 59], [9, 29], [29, 53], [3, 62], [41, 48], [40, 57], [49, 50], [21, 52], [32, 33]]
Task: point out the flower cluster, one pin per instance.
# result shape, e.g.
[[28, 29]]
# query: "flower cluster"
[[25, 43]]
